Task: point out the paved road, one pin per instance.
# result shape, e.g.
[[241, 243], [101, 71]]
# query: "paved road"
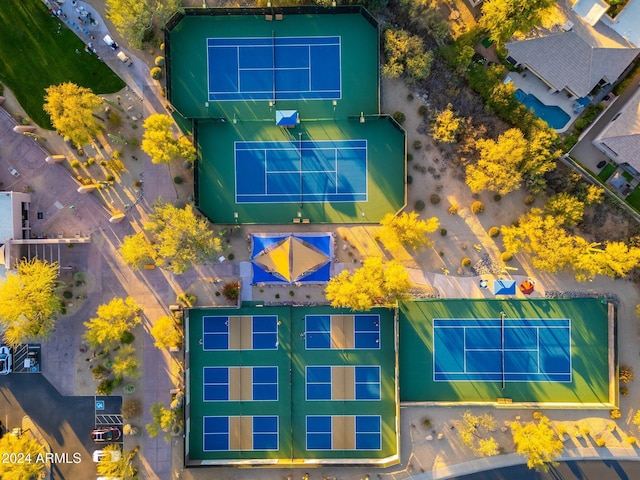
[[65, 422], [582, 470]]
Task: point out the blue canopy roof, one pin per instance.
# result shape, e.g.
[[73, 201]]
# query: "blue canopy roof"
[[286, 118], [504, 287]]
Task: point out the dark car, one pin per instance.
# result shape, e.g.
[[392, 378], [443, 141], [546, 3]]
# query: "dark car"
[[108, 434]]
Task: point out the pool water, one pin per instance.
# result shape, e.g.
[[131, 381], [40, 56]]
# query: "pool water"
[[553, 115]]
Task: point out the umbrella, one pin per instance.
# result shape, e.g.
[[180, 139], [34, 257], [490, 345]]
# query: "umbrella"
[[527, 287]]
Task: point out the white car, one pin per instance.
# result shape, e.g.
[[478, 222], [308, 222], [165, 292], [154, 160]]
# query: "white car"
[[5, 360], [102, 454], [110, 41]]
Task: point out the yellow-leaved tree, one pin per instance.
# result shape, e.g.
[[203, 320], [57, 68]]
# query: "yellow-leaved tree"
[[72, 109], [28, 302], [112, 320], [537, 442], [136, 251], [166, 332], [374, 284], [406, 230], [159, 144], [24, 447]]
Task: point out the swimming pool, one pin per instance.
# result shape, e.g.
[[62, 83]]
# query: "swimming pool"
[[553, 115]]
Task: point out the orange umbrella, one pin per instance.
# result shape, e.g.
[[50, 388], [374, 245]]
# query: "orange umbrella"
[[527, 287]]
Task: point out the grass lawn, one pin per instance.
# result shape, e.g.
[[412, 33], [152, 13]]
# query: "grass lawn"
[[607, 172], [634, 199], [39, 51]]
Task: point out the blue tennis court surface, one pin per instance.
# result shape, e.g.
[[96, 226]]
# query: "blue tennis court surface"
[[226, 333], [286, 68], [321, 330], [529, 350], [301, 172], [227, 433], [331, 383], [344, 432], [223, 384]]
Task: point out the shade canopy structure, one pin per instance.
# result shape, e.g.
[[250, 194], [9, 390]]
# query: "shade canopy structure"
[[527, 287], [504, 287], [286, 118], [288, 258], [2, 260]]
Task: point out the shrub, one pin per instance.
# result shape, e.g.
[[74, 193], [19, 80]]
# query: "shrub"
[[186, 299], [494, 232], [117, 154], [477, 207], [231, 291], [159, 61], [99, 373], [434, 198], [91, 161], [410, 97], [443, 232], [115, 120], [615, 414], [105, 387], [497, 197], [131, 408], [156, 73], [399, 117], [466, 261], [137, 183], [127, 338], [217, 294], [291, 293], [177, 180], [632, 440], [130, 388], [537, 415], [103, 163], [231, 256], [624, 390], [506, 256], [419, 205], [529, 200], [453, 210], [110, 178], [409, 157], [426, 422], [600, 442], [409, 179], [116, 382], [423, 110], [67, 294], [75, 164], [417, 145], [626, 374], [585, 431], [277, 295]]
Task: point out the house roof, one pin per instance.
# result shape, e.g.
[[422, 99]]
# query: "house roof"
[[622, 135], [626, 22], [590, 10], [572, 60]]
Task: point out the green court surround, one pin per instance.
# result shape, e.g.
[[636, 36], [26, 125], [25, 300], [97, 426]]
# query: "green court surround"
[[591, 359], [292, 406]]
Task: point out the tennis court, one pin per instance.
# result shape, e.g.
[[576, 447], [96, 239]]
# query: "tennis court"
[[502, 350], [274, 68], [287, 404], [342, 331], [344, 432], [301, 172], [555, 351], [258, 332]]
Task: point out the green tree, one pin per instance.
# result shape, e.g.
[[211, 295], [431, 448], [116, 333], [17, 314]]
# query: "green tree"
[[405, 55], [166, 333], [374, 284], [135, 19], [498, 166], [28, 302], [163, 419], [566, 208], [136, 251], [406, 230], [72, 109], [117, 464], [159, 144], [26, 447], [180, 237], [537, 442], [503, 18], [446, 126], [112, 320], [125, 363]]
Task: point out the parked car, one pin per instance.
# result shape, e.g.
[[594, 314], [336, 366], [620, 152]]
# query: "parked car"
[[104, 454], [5, 360], [108, 434], [110, 41]]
